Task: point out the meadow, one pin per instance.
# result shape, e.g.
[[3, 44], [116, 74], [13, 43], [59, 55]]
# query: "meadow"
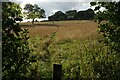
[[64, 29], [75, 45]]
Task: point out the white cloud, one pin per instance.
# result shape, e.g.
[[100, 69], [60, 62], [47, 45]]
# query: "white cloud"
[[61, 0], [53, 0], [51, 6], [26, 2]]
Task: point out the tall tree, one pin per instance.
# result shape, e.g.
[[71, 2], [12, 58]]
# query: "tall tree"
[[34, 11], [15, 49]]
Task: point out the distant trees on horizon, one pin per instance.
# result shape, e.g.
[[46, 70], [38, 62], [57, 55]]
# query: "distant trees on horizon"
[[72, 15]]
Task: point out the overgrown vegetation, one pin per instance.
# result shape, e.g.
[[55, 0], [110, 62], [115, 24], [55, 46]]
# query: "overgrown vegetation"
[[109, 23], [33, 57], [109, 27], [15, 49], [87, 59], [79, 59]]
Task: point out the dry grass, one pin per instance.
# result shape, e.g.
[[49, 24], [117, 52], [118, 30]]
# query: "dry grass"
[[64, 29]]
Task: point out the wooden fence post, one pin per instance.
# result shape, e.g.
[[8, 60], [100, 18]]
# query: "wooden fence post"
[[57, 71]]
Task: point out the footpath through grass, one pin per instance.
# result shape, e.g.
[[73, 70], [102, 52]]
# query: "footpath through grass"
[[82, 57]]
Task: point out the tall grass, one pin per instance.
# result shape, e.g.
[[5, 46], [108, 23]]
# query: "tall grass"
[[74, 45], [79, 59], [64, 29]]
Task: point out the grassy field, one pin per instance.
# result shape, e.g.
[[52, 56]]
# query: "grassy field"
[[74, 44], [64, 29]]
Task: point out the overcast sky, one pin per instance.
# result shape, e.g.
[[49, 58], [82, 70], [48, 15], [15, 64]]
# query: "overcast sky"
[[51, 6]]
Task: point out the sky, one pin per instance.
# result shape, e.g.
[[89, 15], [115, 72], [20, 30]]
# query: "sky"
[[52, 6]]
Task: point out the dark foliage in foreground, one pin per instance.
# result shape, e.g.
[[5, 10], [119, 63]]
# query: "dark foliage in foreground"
[[15, 49]]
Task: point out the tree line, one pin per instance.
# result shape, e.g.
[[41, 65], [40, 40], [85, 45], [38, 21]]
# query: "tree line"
[[35, 11], [72, 15]]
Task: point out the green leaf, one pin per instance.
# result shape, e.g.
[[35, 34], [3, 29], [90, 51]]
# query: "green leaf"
[[97, 8], [92, 3]]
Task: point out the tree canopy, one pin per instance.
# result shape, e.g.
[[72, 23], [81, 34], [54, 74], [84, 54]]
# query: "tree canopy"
[[111, 28], [58, 16], [73, 15], [34, 11]]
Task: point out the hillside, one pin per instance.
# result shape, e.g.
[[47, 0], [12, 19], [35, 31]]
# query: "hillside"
[[64, 29]]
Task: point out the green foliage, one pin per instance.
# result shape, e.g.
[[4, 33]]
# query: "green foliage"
[[34, 11], [93, 3], [15, 49], [79, 59], [109, 23], [10, 12], [109, 27], [85, 15], [41, 56], [58, 16], [73, 15]]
